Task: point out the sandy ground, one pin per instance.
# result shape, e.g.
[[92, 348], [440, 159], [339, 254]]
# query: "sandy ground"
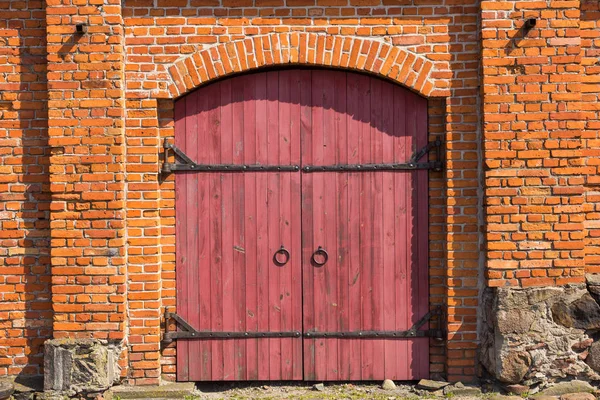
[[303, 391]]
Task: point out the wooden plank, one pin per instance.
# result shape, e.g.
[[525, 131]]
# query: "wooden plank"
[[421, 209], [262, 234], [284, 138], [238, 227], [342, 244], [390, 350], [402, 257], [273, 225], [250, 227], [216, 233], [226, 210], [366, 229], [182, 267], [354, 105], [378, 267]]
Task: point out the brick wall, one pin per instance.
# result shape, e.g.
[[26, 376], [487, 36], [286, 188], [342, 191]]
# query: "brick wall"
[[94, 215], [206, 39], [25, 308], [86, 127], [534, 149], [590, 107]]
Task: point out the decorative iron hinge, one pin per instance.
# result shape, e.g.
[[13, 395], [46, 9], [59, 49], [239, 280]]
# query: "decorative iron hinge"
[[411, 333], [189, 165], [189, 332], [412, 164]]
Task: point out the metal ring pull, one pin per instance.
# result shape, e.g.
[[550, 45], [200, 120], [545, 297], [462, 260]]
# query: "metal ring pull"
[[320, 251], [276, 259]]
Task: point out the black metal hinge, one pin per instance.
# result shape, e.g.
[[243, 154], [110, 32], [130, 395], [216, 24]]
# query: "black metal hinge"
[[189, 165], [413, 164], [188, 332]]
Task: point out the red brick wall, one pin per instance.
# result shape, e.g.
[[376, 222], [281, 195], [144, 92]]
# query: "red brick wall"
[[444, 36], [590, 107], [25, 308], [110, 106], [86, 128], [534, 149]]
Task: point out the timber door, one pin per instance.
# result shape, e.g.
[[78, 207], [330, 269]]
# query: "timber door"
[[301, 238], [364, 238]]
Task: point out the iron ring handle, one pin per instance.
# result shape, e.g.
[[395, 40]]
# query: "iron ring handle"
[[285, 252], [322, 252]]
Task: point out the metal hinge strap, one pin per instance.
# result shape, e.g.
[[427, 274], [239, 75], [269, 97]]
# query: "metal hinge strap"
[[412, 332], [189, 332], [189, 165], [413, 164]]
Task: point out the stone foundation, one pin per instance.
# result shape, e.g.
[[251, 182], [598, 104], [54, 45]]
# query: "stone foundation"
[[538, 336], [77, 366]]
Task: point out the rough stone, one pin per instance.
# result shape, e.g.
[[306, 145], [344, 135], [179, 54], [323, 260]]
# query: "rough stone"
[[171, 391], [593, 358], [544, 397], [555, 344], [431, 385], [517, 389], [578, 396], [388, 384], [515, 321], [583, 345], [80, 365], [583, 313], [502, 397], [568, 387], [455, 390], [513, 367], [6, 390], [319, 387]]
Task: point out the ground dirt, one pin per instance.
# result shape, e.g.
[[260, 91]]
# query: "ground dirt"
[[303, 391]]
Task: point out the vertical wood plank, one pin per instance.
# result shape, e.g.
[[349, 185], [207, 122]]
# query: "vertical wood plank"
[[421, 211], [402, 255], [273, 224], [390, 350], [354, 106], [227, 265], [216, 232], [285, 144], [250, 227], [262, 234], [306, 128], [182, 266]]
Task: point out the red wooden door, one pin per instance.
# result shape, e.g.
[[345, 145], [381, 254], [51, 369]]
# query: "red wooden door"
[[229, 226], [373, 226]]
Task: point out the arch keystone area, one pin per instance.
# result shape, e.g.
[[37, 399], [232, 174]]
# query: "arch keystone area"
[[305, 49]]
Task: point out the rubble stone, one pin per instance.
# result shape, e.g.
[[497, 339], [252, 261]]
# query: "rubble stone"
[[536, 336], [80, 365]]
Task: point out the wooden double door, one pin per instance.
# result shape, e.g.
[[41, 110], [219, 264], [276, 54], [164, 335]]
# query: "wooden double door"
[[301, 248]]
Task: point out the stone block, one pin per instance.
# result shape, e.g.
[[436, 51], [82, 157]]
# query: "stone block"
[[80, 365]]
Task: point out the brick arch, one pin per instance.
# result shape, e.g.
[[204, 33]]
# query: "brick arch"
[[300, 48]]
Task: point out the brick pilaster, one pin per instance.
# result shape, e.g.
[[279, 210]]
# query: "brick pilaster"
[[534, 182], [86, 133]]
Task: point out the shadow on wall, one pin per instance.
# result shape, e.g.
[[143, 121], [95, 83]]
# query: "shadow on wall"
[[25, 294]]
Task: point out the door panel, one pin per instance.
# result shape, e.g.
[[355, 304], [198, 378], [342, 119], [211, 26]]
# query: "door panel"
[[372, 226], [229, 226]]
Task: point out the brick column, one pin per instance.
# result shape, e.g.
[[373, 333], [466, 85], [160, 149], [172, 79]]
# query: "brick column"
[[86, 120], [534, 182]]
